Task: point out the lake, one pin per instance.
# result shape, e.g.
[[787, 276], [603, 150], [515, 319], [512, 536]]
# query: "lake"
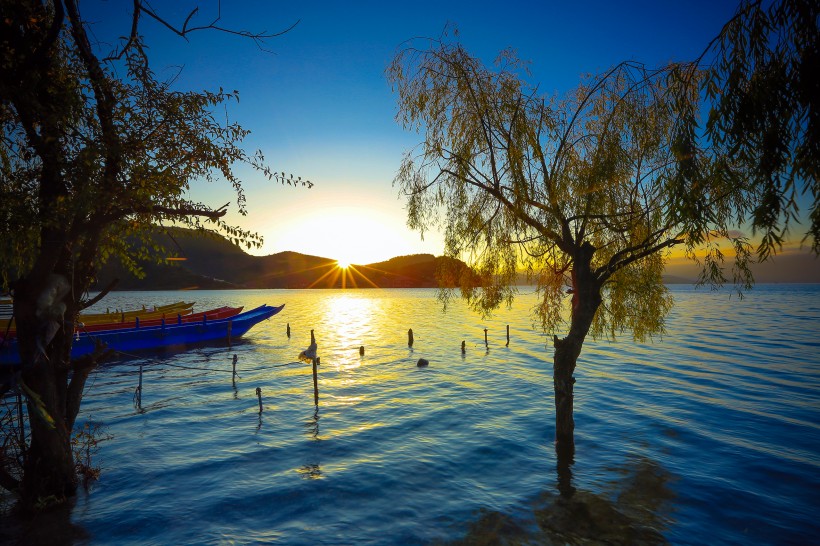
[[710, 434]]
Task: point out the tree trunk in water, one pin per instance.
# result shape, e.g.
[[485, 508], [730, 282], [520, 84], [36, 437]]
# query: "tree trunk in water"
[[49, 475], [586, 298]]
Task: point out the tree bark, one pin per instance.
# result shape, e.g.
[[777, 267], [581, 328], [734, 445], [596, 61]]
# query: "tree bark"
[[49, 476], [586, 298]]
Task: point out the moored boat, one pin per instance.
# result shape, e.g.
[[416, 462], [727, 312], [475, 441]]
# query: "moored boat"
[[158, 337], [159, 312]]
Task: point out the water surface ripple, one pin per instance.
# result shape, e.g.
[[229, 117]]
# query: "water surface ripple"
[[710, 434]]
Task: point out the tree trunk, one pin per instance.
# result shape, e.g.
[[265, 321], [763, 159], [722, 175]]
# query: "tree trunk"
[[586, 298], [49, 475]]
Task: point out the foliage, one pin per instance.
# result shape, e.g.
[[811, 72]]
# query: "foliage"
[[763, 90], [85, 445], [517, 179], [626, 163]]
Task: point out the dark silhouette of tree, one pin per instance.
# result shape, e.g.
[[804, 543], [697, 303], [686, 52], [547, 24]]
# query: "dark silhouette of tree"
[[94, 151], [590, 192]]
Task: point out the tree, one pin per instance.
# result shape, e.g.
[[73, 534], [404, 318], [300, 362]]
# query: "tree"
[[590, 193], [94, 150]]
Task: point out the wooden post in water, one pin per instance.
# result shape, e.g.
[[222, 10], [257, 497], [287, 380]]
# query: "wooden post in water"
[[235, 358], [315, 383], [486, 343], [463, 348], [138, 391], [410, 337], [361, 350], [312, 338], [259, 396], [288, 330], [508, 336]]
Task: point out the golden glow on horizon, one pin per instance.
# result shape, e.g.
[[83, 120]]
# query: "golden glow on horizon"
[[342, 264], [363, 233]]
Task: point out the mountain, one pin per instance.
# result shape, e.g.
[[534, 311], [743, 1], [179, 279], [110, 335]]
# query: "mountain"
[[212, 262]]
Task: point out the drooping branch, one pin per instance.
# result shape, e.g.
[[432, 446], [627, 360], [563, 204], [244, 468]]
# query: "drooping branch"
[[104, 292]]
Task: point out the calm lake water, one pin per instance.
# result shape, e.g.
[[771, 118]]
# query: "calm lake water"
[[708, 435]]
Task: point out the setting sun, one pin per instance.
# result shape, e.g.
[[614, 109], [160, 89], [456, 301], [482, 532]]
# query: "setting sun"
[[342, 264]]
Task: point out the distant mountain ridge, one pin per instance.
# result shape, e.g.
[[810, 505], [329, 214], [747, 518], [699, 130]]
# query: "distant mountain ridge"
[[215, 263]]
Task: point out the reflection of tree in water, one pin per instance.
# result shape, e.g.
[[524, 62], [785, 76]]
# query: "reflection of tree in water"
[[311, 471], [52, 527], [634, 509]]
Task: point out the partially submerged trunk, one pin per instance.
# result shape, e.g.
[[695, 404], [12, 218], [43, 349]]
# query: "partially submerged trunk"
[[586, 298], [53, 387]]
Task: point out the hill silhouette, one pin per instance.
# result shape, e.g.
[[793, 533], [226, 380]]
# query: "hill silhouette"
[[213, 262]]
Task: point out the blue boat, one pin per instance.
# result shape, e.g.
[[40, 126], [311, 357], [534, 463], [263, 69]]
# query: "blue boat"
[[168, 336]]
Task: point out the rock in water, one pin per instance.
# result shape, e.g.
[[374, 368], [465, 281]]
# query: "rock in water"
[[422, 363]]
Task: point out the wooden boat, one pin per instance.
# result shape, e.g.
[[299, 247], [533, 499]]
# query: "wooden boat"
[[138, 322], [159, 312], [158, 337]]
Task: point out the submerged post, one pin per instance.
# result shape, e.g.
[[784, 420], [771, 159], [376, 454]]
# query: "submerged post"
[[288, 330], [410, 337], [361, 350], [486, 343], [235, 358], [138, 391], [312, 338], [508, 336], [259, 396], [315, 383], [463, 348]]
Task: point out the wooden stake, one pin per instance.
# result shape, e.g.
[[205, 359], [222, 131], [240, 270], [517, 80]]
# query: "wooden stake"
[[361, 350], [508, 335], [288, 330], [463, 348], [485, 339], [410, 337], [259, 395], [234, 366], [312, 338]]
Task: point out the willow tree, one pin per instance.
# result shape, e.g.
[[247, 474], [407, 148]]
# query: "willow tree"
[[94, 150], [589, 192]]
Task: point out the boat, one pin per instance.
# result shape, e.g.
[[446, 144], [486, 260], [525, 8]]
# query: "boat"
[[159, 312], [138, 322], [162, 337]]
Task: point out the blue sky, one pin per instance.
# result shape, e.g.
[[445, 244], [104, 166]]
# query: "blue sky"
[[319, 106]]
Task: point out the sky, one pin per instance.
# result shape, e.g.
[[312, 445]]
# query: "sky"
[[318, 104]]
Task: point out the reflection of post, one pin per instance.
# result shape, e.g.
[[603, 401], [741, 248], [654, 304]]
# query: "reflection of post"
[[233, 377], [315, 383], [565, 457]]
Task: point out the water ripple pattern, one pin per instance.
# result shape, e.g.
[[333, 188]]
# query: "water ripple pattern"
[[723, 412]]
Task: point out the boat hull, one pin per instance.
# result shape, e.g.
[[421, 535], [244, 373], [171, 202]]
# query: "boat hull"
[[170, 336]]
